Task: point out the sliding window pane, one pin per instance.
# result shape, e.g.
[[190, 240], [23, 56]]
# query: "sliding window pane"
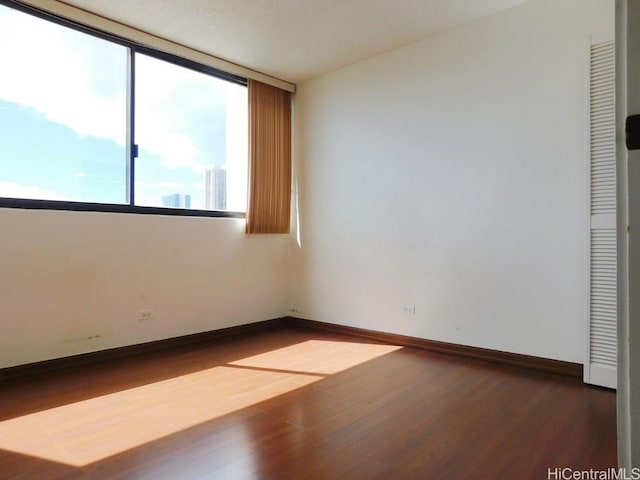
[[63, 97], [191, 129]]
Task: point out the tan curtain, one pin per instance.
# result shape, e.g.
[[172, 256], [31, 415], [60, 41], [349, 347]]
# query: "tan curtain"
[[268, 209]]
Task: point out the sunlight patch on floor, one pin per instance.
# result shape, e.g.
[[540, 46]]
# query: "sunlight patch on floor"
[[91, 430], [317, 356]]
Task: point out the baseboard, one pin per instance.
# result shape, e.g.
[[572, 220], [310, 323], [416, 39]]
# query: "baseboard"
[[514, 359], [119, 352]]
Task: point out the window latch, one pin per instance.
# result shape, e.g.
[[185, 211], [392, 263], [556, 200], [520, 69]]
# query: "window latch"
[[134, 150]]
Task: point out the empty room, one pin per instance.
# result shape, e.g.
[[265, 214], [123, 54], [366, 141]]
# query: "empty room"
[[360, 239]]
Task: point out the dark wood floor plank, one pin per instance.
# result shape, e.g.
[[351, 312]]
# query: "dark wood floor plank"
[[301, 404]]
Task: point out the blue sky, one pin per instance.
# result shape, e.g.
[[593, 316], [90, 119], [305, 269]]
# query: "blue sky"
[[63, 116], [37, 153]]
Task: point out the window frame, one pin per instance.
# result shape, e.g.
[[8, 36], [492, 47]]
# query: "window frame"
[[131, 148]]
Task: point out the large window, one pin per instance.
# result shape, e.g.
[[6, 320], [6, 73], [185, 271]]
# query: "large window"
[[90, 119]]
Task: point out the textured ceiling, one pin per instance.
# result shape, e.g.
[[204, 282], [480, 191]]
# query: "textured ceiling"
[[294, 40]]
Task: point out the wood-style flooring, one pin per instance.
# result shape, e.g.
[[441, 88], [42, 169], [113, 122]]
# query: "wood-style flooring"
[[301, 404]]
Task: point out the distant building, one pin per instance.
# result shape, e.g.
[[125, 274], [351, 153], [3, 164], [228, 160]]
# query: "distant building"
[[216, 188], [177, 200]]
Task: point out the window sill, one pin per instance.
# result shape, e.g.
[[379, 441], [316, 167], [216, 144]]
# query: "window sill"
[[112, 208]]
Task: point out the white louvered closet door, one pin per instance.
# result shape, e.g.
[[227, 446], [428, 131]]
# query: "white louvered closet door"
[[600, 368]]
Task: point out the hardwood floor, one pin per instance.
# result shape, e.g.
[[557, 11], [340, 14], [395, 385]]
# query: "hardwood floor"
[[301, 404]]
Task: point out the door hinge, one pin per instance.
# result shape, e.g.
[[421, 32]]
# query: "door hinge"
[[632, 132]]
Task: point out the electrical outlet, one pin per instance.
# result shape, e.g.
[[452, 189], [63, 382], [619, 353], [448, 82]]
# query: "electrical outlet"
[[144, 315], [409, 309]]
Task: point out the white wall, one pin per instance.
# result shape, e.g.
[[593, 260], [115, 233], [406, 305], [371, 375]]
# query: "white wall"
[[68, 276], [451, 174]]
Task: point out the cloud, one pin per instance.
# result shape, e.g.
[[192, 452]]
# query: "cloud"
[[48, 68], [80, 175], [79, 81], [14, 190], [177, 118]]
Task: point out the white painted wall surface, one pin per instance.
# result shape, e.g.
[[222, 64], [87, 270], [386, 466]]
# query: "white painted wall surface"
[[449, 175], [68, 276], [452, 174]]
